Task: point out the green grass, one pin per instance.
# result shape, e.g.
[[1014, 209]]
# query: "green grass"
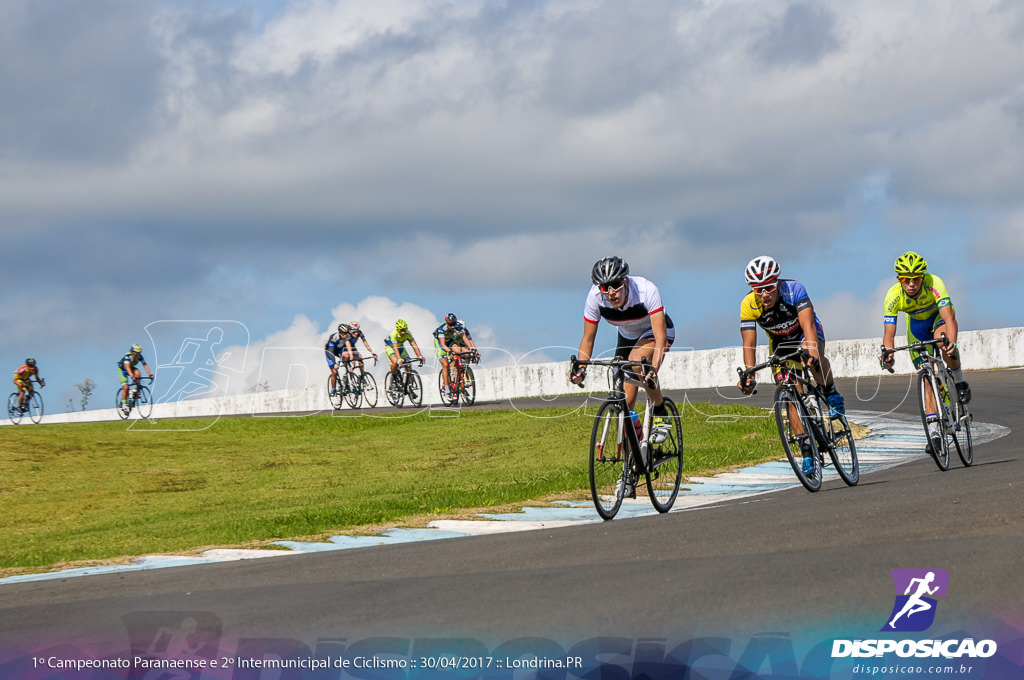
[[88, 492]]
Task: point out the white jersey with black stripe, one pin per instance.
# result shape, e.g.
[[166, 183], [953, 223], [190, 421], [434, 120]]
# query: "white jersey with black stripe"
[[633, 319]]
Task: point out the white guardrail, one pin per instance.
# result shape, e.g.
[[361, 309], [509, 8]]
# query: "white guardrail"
[[683, 369]]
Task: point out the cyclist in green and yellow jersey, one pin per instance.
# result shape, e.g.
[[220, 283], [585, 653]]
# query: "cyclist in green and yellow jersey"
[[930, 314], [394, 345]]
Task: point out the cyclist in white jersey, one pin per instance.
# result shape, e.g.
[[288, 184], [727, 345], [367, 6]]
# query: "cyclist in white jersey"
[[633, 305]]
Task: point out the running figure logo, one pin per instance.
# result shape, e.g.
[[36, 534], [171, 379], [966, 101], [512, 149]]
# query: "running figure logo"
[[916, 590]]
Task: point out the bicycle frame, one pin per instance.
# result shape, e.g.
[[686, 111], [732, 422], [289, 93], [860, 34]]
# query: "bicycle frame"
[[936, 385], [634, 455], [808, 417]]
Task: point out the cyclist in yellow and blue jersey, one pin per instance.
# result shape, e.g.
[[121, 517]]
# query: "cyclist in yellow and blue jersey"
[[23, 380], [783, 309], [394, 345], [930, 314]]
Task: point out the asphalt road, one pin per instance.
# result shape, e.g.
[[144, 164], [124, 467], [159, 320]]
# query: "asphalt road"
[[785, 561]]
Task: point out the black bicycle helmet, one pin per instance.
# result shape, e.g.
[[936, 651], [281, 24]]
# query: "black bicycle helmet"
[[451, 319], [30, 362], [609, 270]]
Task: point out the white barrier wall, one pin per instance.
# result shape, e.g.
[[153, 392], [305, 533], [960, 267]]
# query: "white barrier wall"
[[683, 369]]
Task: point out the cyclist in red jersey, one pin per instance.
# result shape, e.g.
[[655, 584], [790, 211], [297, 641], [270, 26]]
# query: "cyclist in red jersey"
[[23, 380]]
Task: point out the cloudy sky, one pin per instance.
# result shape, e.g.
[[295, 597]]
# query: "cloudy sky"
[[287, 165]]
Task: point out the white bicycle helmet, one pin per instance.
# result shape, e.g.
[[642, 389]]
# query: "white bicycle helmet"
[[762, 270]]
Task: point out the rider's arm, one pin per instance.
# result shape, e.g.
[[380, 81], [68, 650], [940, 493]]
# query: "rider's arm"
[[587, 341], [951, 328], [368, 348], [148, 372], [660, 329], [807, 324], [417, 348]]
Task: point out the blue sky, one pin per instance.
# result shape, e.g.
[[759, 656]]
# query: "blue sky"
[[286, 165]]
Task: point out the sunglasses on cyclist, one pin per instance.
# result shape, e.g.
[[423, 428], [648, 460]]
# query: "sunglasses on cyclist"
[[766, 288], [910, 279], [612, 286]]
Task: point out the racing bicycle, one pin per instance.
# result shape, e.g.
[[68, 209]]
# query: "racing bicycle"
[[140, 399], [405, 382], [620, 454], [462, 379], [954, 419], [32, 405], [353, 385], [803, 416]]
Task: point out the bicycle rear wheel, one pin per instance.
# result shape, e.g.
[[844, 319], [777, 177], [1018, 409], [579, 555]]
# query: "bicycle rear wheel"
[[394, 389], [123, 410], [842, 450], [13, 410], [609, 455], [667, 464], [468, 387], [414, 388], [369, 389], [35, 407], [790, 416], [927, 383], [144, 402]]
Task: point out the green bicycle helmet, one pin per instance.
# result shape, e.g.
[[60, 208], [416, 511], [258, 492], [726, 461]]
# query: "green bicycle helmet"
[[401, 325], [910, 264]]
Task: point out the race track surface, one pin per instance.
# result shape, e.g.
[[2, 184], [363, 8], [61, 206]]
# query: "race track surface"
[[789, 561]]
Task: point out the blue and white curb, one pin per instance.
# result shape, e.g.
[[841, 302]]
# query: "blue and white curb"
[[893, 439]]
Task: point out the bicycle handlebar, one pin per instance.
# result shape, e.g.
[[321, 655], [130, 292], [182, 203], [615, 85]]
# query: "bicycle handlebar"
[[913, 347], [650, 374], [801, 355]]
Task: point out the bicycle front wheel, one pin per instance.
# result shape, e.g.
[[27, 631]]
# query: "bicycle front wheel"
[[351, 388], [609, 456], [144, 402], [35, 407], [13, 410], [959, 422], [369, 388], [394, 389], [666, 469], [122, 409], [414, 388], [335, 396], [795, 429], [842, 449], [445, 399], [927, 384], [467, 388]]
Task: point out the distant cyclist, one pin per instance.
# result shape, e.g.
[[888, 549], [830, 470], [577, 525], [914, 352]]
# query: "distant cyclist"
[[633, 305], [930, 314], [452, 337], [395, 345], [334, 348], [354, 336], [23, 380], [783, 309], [129, 372]]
